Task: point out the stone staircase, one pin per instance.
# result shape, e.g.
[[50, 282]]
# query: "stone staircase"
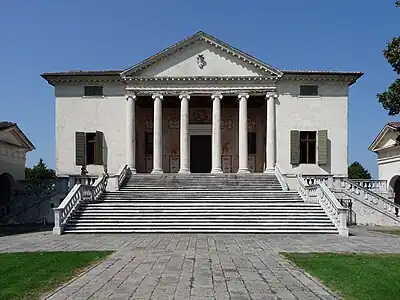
[[201, 203]]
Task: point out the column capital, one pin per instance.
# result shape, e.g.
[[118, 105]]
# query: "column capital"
[[184, 96], [273, 95], [157, 96], [131, 97], [243, 95], [216, 96]]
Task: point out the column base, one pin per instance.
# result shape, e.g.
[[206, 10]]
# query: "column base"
[[184, 171], [269, 171], [216, 171], [157, 171], [243, 171]]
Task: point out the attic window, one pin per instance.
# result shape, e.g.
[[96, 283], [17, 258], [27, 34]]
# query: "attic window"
[[309, 90], [94, 90]]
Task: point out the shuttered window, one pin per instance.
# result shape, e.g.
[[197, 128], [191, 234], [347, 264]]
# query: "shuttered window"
[[309, 147], [89, 148]]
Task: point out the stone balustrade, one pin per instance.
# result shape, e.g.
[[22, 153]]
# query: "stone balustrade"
[[375, 185], [81, 179], [79, 194], [320, 193], [365, 195]]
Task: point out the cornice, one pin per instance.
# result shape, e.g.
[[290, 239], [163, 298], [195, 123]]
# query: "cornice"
[[202, 78], [349, 79]]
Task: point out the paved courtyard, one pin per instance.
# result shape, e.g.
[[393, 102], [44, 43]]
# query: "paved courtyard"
[[198, 266]]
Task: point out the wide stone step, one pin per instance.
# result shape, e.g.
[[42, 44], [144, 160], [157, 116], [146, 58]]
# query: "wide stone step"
[[177, 216], [194, 200], [202, 223], [254, 212], [201, 204], [298, 230]]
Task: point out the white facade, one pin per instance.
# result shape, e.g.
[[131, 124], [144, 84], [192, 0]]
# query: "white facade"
[[13, 149], [387, 149], [240, 94]]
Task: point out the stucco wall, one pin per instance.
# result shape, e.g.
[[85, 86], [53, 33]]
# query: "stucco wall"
[[88, 114], [328, 111], [12, 161]]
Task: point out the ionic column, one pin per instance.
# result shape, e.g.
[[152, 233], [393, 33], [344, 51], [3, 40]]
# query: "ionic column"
[[216, 134], [184, 135], [130, 133], [157, 135], [270, 133], [243, 153]]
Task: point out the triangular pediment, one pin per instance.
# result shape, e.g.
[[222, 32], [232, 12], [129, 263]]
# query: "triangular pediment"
[[14, 136], [386, 138], [201, 55]]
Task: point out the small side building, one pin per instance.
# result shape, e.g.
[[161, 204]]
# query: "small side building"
[[387, 147], [14, 145]]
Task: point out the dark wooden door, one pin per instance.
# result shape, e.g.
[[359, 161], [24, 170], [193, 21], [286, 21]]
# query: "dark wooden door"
[[200, 153]]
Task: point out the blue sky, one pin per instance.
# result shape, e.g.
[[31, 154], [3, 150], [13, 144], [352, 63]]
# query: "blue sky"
[[45, 36]]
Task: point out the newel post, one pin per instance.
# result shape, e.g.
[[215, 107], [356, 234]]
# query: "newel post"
[[57, 229], [343, 230]]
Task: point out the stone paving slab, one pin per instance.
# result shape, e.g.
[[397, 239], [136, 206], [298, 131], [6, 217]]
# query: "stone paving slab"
[[198, 266]]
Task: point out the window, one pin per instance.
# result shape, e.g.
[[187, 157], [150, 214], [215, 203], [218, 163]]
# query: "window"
[[309, 90], [149, 143], [308, 147], [94, 90], [252, 143], [89, 148]]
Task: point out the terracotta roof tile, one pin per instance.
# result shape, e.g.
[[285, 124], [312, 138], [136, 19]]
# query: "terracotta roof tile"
[[5, 125], [83, 73], [394, 124]]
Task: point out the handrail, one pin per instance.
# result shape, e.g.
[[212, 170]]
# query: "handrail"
[[336, 212], [122, 175], [281, 178], [379, 201], [320, 193], [79, 194]]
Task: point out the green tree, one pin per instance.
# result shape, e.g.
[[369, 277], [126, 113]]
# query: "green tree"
[[39, 179], [357, 171], [390, 99]]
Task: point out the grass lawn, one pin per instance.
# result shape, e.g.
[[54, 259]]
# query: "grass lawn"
[[354, 276], [29, 275], [390, 231]]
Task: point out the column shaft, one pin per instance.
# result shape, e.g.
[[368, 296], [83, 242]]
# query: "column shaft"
[[270, 134], [243, 151], [157, 135], [216, 134], [184, 135], [130, 133]]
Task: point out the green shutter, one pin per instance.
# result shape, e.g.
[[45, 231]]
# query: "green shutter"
[[322, 147], [80, 148], [99, 148], [294, 147]]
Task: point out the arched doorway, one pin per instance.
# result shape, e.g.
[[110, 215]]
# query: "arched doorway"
[[394, 186], [6, 187]]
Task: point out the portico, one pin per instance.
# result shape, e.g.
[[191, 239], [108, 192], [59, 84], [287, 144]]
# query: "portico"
[[179, 117]]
